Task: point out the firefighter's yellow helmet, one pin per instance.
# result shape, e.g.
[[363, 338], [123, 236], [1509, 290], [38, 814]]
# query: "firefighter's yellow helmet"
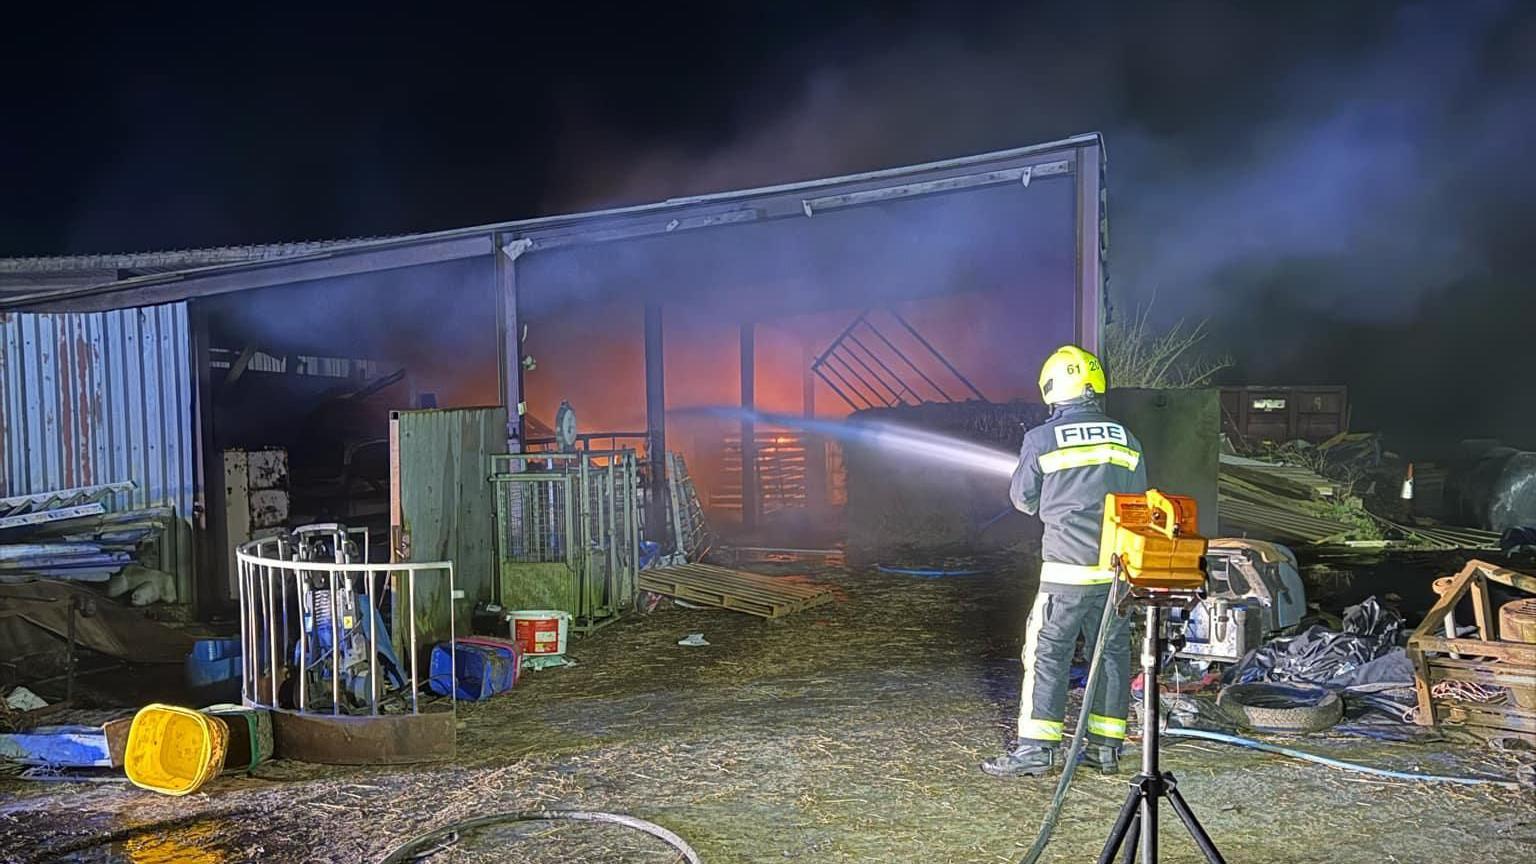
[[1069, 373]]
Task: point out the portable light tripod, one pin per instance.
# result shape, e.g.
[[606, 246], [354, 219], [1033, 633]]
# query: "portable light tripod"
[[1153, 544], [1137, 821]]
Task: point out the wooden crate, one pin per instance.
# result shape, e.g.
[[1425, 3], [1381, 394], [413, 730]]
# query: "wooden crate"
[[737, 590], [1484, 660]]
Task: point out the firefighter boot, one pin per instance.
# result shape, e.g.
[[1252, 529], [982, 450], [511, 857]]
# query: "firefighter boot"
[[1028, 759], [1102, 757]]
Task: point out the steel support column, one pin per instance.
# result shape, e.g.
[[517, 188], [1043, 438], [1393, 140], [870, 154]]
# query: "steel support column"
[[656, 504], [510, 346]]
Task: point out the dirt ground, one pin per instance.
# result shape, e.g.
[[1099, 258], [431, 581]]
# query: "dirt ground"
[[850, 732]]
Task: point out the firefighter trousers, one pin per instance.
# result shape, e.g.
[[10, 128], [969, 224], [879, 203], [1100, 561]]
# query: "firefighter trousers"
[[1050, 640]]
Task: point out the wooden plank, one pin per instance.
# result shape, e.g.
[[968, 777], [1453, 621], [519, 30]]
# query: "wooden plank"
[[1488, 716], [1512, 652], [1505, 576], [1512, 677], [778, 587], [747, 587], [777, 582], [1435, 617], [1480, 604], [753, 593], [714, 598], [722, 590]]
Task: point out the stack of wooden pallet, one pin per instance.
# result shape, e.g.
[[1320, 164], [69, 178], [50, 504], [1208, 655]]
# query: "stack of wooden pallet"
[[737, 590]]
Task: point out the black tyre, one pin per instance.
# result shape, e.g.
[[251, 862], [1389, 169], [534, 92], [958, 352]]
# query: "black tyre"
[[1285, 708]]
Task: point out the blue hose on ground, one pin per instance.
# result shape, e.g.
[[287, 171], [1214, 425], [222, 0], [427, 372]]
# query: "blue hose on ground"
[[926, 572], [1334, 763]]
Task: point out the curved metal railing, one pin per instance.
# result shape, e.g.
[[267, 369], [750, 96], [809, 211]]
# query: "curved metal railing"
[[276, 644]]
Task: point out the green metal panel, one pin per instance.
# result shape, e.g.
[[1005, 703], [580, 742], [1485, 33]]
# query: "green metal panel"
[[445, 505], [538, 586], [1180, 433]]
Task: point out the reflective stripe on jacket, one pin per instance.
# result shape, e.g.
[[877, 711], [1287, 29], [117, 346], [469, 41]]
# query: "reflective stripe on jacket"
[[1066, 467]]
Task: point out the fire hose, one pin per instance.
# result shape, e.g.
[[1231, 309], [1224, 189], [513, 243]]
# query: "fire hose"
[[437, 840]]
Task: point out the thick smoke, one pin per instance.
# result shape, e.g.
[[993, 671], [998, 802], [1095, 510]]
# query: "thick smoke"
[[1326, 185]]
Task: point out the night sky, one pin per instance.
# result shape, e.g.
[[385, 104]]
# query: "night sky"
[[1345, 189]]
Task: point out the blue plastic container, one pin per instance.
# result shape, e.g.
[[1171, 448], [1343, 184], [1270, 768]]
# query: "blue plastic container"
[[212, 670], [483, 671]]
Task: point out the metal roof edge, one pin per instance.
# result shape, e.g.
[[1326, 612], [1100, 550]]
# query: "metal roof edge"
[[523, 226]]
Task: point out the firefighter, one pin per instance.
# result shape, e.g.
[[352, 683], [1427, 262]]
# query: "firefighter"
[[1066, 467]]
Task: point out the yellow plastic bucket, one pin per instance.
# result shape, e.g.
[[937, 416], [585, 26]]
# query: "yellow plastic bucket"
[[174, 750]]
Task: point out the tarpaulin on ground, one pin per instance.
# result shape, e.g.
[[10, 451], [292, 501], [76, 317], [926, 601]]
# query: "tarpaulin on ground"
[[110, 628], [1365, 651]]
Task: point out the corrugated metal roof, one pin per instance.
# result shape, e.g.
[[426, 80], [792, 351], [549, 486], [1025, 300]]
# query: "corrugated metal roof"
[[411, 249]]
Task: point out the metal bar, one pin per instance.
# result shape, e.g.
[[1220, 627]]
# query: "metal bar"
[[335, 647], [858, 401], [1021, 176], [373, 646], [510, 331], [888, 370], [835, 389], [271, 630], [410, 579], [614, 594], [301, 585], [247, 690], [877, 397], [908, 360], [581, 541], [941, 358], [453, 644], [872, 373], [286, 629], [821, 358]]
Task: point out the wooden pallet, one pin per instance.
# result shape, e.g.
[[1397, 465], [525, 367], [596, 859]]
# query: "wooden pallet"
[[1486, 659], [737, 590]]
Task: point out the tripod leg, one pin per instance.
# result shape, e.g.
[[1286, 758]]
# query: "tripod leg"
[[1187, 816], [1131, 839], [1123, 822]]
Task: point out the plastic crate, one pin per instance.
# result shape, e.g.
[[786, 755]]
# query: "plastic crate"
[[482, 671]]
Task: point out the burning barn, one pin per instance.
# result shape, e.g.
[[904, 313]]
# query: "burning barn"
[[176, 371]]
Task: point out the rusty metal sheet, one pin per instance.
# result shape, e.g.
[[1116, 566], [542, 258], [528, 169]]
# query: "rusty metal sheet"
[[384, 740], [105, 397]]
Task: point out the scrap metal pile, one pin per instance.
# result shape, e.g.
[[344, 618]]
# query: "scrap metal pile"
[[82, 535]]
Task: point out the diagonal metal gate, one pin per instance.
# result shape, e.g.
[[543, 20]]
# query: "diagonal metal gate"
[[873, 366]]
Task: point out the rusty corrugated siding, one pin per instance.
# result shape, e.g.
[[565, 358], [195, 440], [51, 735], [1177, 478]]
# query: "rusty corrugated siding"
[[100, 397]]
